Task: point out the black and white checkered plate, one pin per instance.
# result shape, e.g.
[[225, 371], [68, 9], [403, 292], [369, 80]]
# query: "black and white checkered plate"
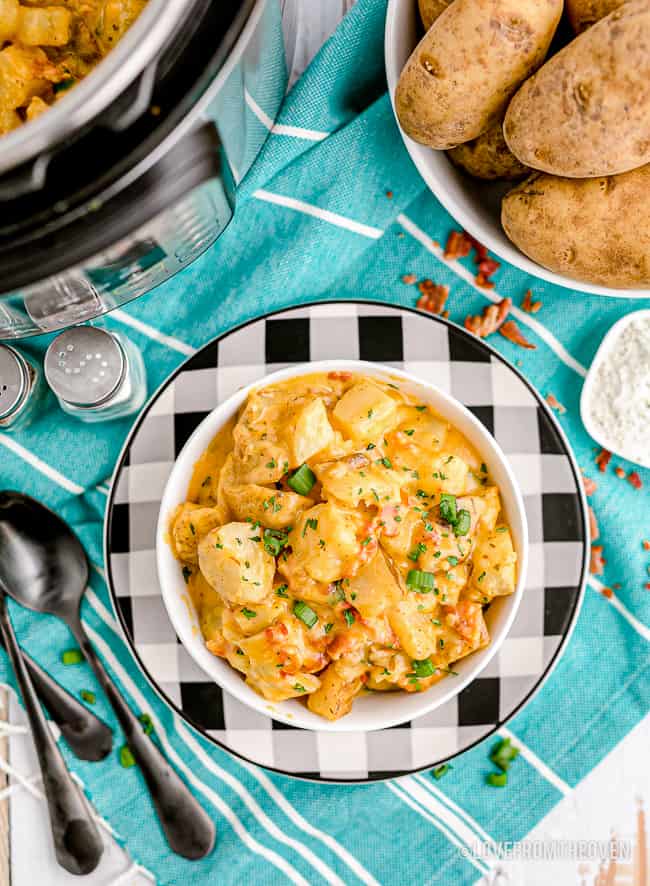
[[459, 364]]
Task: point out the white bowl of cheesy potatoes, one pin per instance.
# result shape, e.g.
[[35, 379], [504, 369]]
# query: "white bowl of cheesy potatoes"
[[352, 556]]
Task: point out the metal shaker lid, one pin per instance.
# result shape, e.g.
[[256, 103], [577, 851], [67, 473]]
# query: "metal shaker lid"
[[85, 366], [14, 381]]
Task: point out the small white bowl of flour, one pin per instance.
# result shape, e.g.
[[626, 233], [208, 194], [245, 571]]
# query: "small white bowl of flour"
[[615, 401]]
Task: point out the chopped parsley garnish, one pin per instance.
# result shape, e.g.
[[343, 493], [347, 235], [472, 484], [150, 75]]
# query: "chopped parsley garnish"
[[366, 541], [385, 461], [275, 540], [410, 432], [271, 464], [420, 548], [298, 687], [370, 446], [420, 408], [305, 613], [348, 615], [423, 667], [502, 528], [218, 546], [328, 627], [338, 593], [282, 591], [187, 573], [481, 576], [248, 613], [311, 523], [453, 561], [193, 530]]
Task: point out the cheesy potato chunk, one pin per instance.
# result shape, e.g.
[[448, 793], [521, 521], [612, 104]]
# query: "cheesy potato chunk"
[[340, 536]]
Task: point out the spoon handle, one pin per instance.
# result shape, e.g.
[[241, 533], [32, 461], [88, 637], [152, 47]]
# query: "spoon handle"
[[77, 842], [189, 830], [88, 737]]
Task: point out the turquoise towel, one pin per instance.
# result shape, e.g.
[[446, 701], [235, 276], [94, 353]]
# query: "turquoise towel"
[[272, 829]]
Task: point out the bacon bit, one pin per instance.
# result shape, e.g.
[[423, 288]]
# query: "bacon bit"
[[458, 245], [530, 306], [620, 473], [594, 531], [217, 647], [554, 403], [433, 298], [511, 331], [590, 487], [409, 279], [387, 517], [616, 586], [647, 587], [607, 592], [646, 545], [602, 460], [490, 320], [445, 314], [597, 563], [482, 281], [634, 480], [389, 194], [277, 632], [339, 376]]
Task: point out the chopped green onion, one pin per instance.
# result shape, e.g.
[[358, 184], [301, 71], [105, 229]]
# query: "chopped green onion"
[[503, 753], [423, 667], [298, 687], [420, 548], [302, 480], [386, 462], [348, 615], [497, 779], [453, 561], [311, 523], [463, 522], [274, 541], [328, 627], [127, 760], [420, 581], [147, 723], [439, 771], [305, 613], [448, 508], [248, 613], [72, 657], [502, 528], [88, 696]]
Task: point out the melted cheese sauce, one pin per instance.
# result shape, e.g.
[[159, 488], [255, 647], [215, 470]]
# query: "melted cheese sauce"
[[340, 537]]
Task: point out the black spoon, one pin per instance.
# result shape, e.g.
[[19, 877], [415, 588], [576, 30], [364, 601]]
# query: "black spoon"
[[88, 737], [43, 566], [77, 843]]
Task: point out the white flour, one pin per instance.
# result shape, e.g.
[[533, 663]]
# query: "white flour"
[[619, 404]]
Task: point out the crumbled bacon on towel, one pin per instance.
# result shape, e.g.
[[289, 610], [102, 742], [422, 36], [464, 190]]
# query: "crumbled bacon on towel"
[[634, 479], [434, 297], [620, 473], [590, 485], [594, 531], [607, 592], [513, 333], [646, 545], [597, 563], [458, 245], [602, 460], [389, 194], [490, 320], [554, 403], [530, 306], [409, 279]]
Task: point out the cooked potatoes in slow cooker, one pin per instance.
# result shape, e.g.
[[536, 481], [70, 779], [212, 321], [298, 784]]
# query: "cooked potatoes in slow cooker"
[[340, 537], [48, 47]]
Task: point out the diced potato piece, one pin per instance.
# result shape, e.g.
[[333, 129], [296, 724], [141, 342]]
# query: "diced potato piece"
[[271, 507], [35, 108], [400, 545], [333, 699], [9, 120], [190, 523], [325, 541], [495, 566], [464, 631], [451, 583], [262, 462], [237, 567], [460, 446], [118, 17], [251, 621], [415, 630], [44, 26], [309, 433], [491, 507], [373, 589], [429, 429], [9, 15], [357, 478], [365, 412], [22, 74], [388, 667], [301, 585], [275, 663], [452, 474]]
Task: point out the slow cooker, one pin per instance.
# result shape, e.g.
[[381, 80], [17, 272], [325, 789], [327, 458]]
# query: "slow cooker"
[[133, 173]]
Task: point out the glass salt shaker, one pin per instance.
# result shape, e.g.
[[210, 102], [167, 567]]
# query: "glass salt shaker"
[[22, 390], [96, 375]]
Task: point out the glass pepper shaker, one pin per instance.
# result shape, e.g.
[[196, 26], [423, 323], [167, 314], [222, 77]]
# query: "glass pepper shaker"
[[96, 375], [21, 390]]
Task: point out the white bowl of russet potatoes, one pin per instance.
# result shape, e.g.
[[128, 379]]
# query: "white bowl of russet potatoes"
[[376, 710], [572, 226]]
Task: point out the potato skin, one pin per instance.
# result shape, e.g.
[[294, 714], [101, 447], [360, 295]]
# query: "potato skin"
[[596, 230], [462, 74], [585, 13], [430, 10], [489, 157], [587, 111]]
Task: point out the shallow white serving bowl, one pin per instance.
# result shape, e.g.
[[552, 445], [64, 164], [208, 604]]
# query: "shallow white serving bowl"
[[476, 205], [609, 341], [377, 710]]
